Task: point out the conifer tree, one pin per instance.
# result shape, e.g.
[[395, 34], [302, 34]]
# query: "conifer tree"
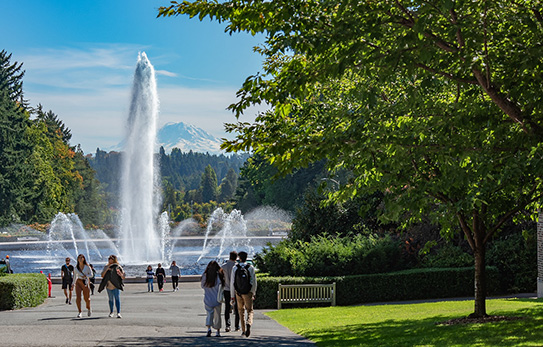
[[15, 145], [209, 186]]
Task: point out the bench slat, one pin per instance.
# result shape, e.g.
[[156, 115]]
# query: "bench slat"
[[306, 293]]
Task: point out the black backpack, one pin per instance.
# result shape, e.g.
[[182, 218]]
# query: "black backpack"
[[242, 280]]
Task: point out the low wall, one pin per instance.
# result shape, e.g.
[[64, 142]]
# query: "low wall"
[[138, 279]]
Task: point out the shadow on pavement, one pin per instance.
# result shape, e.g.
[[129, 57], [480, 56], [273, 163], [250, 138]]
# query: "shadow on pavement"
[[202, 341]]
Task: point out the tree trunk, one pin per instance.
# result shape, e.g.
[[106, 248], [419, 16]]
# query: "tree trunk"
[[480, 280]]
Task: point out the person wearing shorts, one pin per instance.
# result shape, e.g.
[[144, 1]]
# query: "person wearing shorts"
[[67, 275]]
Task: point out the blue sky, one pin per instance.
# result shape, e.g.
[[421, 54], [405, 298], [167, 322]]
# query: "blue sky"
[[80, 56]]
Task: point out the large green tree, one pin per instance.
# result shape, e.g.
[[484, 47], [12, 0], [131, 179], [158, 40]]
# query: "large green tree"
[[437, 103], [16, 145]]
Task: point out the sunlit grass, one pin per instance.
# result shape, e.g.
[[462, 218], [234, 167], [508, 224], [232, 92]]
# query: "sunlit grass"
[[415, 324]]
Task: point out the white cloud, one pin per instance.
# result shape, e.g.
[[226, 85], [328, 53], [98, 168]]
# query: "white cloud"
[[89, 91], [165, 73]]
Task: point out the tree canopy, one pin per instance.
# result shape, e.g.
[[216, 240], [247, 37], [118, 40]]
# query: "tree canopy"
[[436, 103], [40, 173]]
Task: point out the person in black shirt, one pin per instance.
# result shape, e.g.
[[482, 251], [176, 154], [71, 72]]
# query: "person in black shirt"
[[67, 275], [160, 275]]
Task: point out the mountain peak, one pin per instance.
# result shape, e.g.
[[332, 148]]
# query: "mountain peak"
[[186, 137]]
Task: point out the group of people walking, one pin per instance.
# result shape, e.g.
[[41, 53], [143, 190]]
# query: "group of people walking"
[[160, 275], [82, 278], [233, 283]]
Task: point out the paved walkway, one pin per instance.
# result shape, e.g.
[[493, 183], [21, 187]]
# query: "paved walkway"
[[149, 319]]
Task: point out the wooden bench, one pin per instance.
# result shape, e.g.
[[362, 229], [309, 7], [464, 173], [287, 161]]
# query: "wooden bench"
[[306, 294]]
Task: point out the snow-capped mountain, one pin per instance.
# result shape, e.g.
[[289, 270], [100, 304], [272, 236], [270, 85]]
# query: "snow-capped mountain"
[[187, 137], [184, 136]]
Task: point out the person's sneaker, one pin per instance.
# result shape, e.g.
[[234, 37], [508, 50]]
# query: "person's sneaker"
[[237, 329], [218, 334], [110, 315], [243, 333], [208, 333], [227, 329], [66, 300], [89, 313], [119, 315], [70, 302], [79, 315], [248, 331]]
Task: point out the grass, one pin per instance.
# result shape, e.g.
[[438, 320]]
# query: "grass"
[[415, 324]]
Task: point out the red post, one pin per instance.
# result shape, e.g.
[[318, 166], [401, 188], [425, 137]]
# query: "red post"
[[49, 283]]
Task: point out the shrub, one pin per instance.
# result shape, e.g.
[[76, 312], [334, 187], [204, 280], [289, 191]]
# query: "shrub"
[[403, 285], [22, 290], [331, 256], [515, 256], [448, 255]]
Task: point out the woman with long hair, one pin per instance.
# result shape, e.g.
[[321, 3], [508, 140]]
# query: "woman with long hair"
[[112, 280], [212, 281], [82, 275]]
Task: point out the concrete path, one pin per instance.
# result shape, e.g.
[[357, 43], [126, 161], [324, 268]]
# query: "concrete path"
[[149, 319]]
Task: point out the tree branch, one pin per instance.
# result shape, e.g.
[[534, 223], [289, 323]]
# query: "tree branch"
[[466, 229], [507, 106], [446, 74], [508, 215]]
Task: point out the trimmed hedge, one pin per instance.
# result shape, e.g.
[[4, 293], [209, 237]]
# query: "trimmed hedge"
[[22, 290], [403, 285]]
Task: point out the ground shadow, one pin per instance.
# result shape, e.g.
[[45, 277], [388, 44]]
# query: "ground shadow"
[[202, 341], [428, 332]]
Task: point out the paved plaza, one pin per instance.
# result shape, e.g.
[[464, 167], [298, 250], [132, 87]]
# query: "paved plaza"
[[149, 319]]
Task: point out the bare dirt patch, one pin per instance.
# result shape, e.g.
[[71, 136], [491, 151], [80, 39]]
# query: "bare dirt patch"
[[479, 320]]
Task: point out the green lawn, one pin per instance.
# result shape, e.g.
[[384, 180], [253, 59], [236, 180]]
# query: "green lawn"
[[415, 324]]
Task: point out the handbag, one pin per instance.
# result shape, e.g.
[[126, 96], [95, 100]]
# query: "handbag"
[[220, 294]]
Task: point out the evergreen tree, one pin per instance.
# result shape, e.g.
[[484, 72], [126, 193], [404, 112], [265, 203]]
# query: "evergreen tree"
[[228, 186], [208, 185], [11, 78], [15, 146]]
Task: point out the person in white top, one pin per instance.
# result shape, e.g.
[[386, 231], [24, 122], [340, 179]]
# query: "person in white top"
[[82, 275]]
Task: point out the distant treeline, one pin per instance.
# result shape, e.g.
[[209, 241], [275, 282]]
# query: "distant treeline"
[[179, 171]]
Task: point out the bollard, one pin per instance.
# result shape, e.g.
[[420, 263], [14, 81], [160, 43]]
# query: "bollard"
[[49, 283]]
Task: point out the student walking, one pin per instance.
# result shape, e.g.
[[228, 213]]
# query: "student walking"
[[82, 275], [160, 276], [243, 280], [92, 279], [175, 273], [112, 279], [150, 277], [67, 275], [229, 293], [211, 281]]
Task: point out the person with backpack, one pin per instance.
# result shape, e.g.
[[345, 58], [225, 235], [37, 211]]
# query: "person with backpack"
[[67, 275], [243, 280]]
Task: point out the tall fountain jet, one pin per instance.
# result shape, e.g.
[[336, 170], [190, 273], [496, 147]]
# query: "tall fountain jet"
[[140, 239]]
